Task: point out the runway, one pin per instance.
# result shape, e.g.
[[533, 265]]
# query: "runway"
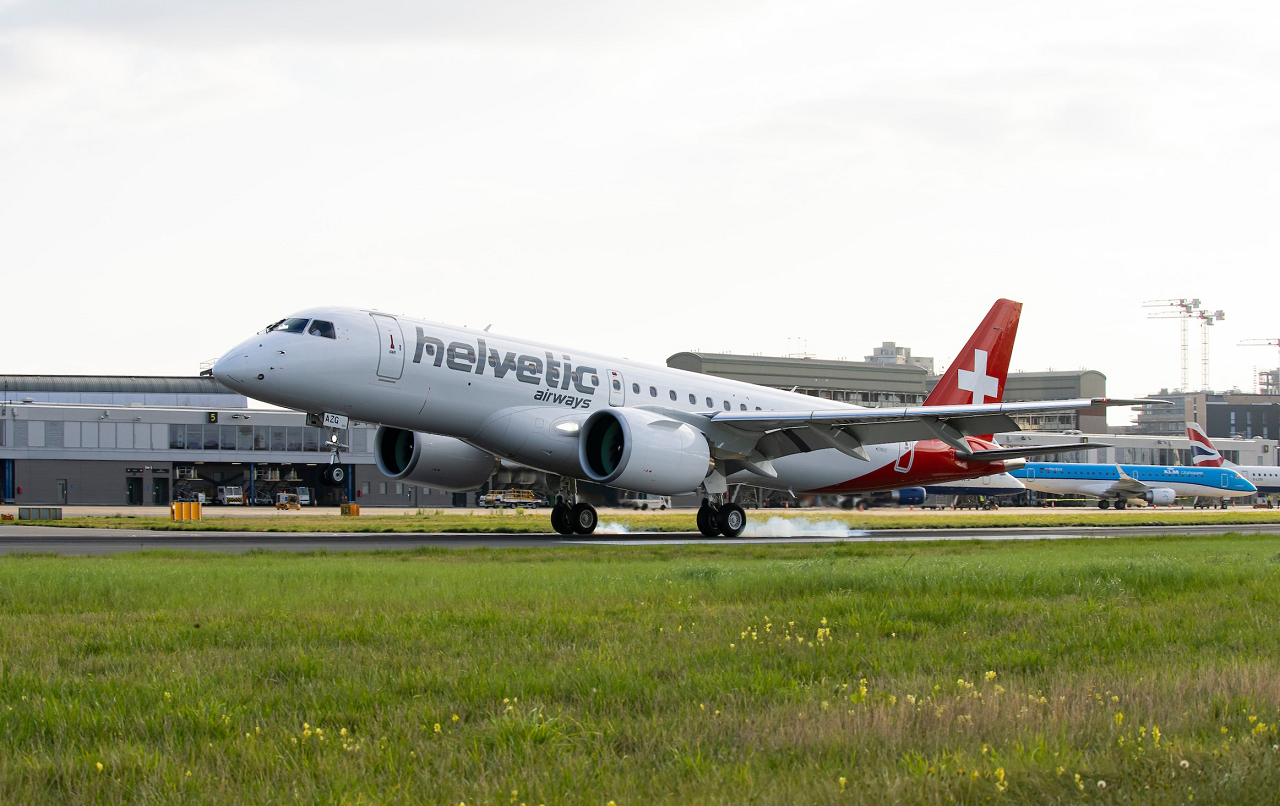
[[88, 542]]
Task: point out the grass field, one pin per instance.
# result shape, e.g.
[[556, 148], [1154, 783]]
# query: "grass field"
[[538, 521], [1108, 671]]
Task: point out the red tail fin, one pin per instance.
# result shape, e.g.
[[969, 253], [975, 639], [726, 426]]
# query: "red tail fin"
[[979, 371]]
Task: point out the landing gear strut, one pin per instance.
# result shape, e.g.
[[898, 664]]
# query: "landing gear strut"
[[570, 516], [727, 519]]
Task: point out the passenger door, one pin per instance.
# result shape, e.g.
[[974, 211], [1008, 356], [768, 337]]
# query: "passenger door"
[[390, 347], [617, 389]]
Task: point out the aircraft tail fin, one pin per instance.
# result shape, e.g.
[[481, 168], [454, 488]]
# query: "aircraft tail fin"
[[1203, 454], [979, 371]]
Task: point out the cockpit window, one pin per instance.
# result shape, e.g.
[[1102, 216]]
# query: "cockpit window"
[[288, 326], [319, 327]]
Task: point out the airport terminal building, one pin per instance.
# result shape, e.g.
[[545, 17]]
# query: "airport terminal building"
[[131, 441]]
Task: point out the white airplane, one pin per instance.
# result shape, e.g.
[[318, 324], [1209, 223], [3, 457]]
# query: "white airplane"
[[452, 401], [1203, 454]]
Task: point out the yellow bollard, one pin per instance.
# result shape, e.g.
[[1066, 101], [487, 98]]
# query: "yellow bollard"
[[185, 511]]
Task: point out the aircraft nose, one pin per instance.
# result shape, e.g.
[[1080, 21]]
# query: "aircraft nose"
[[232, 368]]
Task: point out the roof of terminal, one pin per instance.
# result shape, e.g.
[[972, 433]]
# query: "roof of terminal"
[[147, 384]]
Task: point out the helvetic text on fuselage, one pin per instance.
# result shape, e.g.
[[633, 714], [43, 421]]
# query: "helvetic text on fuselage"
[[557, 374]]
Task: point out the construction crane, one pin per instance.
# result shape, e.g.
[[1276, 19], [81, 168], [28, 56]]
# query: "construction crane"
[[1207, 318], [1271, 378], [1186, 311]]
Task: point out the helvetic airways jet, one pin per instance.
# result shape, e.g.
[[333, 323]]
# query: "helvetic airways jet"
[[1203, 454], [452, 401]]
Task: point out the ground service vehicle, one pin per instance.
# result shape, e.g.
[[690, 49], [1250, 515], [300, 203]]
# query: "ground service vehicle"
[[229, 495]]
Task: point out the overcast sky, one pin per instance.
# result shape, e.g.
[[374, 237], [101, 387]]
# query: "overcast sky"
[[641, 178]]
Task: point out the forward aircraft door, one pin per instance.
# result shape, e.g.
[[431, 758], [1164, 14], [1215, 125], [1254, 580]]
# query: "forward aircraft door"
[[617, 388], [906, 457], [390, 347]]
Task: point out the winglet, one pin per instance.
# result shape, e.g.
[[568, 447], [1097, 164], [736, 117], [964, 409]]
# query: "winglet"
[[1203, 453], [980, 369]]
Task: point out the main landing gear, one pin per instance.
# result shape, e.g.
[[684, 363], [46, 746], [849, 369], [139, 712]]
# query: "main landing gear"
[[1120, 503], [568, 519], [727, 519]]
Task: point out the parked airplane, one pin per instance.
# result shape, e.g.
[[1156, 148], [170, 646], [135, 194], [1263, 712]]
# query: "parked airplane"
[[1120, 484], [450, 400], [987, 486], [1203, 454]]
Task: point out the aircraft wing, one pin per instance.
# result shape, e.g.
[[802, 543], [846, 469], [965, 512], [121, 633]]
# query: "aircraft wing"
[[1127, 484], [1035, 450], [847, 430]]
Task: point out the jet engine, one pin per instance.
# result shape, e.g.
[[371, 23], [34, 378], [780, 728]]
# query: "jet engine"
[[642, 451], [1160, 496], [443, 463], [909, 496]]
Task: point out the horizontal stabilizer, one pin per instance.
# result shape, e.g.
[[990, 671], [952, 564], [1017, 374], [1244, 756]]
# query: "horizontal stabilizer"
[[1001, 454]]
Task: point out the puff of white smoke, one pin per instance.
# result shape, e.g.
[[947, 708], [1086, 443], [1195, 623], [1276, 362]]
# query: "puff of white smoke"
[[796, 527]]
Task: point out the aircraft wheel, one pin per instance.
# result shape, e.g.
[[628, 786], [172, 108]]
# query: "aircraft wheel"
[[708, 523], [1105, 504], [336, 475], [583, 518], [560, 520], [1121, 504], [732, 520]]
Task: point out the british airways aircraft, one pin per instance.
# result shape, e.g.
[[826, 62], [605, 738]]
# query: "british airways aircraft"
[[1120, 484], [452, 401], [1203, 454]]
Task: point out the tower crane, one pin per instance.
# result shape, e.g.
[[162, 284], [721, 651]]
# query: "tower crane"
[[1207, 318], [1271, 386], [1184, 309]]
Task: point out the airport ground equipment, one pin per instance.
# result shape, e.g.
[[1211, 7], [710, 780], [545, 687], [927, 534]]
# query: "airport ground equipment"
[[500, 499], [39, 513], [186, 511], [232, 496]]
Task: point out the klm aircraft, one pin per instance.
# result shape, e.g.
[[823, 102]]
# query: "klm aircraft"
[[1120, 484]]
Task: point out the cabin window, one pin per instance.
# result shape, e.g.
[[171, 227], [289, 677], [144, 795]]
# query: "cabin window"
[[635, 388], [693, 399], [710, 405], [319, 327], [742, 406], [617, 385], [673, 394], [727, 407], [653, 391]]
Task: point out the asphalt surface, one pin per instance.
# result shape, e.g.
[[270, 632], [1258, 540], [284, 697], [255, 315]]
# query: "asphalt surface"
[[72, 541]]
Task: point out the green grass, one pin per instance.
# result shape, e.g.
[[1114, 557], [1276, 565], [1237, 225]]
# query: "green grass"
[[993, 673], [539, 521]]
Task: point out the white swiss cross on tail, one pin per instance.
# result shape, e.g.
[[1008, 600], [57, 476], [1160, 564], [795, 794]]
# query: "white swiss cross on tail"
[[978, 382]]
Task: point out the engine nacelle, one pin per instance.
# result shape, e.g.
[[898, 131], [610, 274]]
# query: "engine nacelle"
[[1160, 496], [442, 463], [909, 496], [641, 451]]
